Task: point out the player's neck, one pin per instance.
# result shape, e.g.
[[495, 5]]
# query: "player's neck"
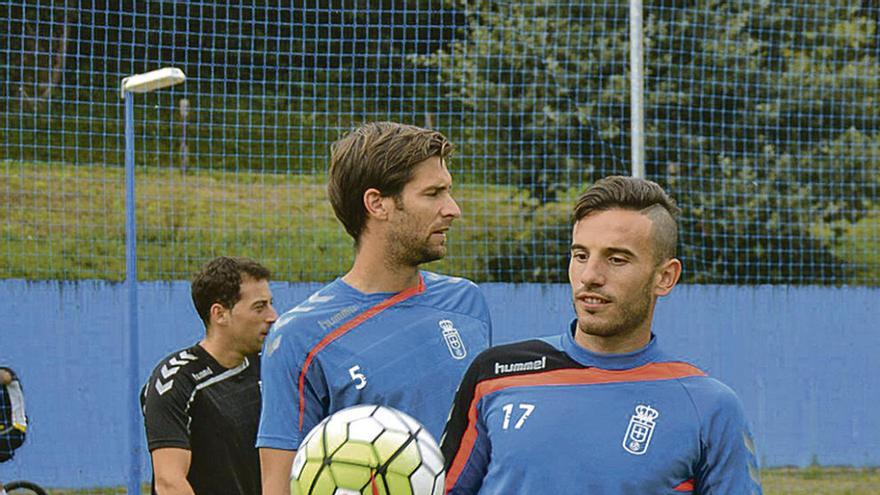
[[371, 272], [614, 344], [223, 354]]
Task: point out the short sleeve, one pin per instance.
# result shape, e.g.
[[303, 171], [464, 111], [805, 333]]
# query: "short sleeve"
[[484, 315], [165, 415], [728, 463], [289, 409]]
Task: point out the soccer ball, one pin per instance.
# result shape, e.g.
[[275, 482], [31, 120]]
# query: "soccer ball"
[[370, 450]]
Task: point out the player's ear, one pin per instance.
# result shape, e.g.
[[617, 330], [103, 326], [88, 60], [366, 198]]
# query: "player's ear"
[[376, 205], [219, 314], [666, 276]]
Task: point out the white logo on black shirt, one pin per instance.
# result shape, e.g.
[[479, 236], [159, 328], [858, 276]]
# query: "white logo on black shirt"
[[167, 371], [201, 374], [537, 364]]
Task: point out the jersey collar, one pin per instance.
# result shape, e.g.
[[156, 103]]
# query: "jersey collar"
[[341, 286], [648, 354]]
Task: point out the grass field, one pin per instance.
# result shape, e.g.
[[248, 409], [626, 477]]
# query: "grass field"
[[67, 222], [821, 481], [782, 481]]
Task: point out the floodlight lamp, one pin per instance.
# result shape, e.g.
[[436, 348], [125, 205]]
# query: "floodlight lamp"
[[153, 80]]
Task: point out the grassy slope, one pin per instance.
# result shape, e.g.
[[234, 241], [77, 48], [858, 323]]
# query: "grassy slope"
[[67, 222], [821, 481]]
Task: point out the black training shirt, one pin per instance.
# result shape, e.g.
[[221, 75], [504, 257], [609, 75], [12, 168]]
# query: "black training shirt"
[[192, 402]]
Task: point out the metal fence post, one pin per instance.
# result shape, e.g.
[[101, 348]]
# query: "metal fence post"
[[140, 83]]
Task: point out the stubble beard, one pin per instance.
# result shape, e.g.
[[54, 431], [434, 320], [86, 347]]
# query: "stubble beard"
[[630, 318], [407, 250]]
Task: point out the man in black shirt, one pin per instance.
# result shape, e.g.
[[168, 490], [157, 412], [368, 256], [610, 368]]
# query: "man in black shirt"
[[201, 404]]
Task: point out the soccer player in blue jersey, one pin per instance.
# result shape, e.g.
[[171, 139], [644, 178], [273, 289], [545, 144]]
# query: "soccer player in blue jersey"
[[385, 332], [600, 408]]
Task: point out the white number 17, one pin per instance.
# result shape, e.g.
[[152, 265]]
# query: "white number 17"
[[508, 411]]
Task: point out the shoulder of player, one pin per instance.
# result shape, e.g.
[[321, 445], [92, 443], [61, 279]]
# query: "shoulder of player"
[[182, 369], [453, 294], [304, 326], [310, 312], [184, 359], [710, 394], [525, 357], [438, 281]]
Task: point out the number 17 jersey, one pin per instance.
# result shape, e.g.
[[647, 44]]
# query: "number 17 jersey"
[[549, 416]]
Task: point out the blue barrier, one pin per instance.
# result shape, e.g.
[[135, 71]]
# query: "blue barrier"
[[803, 360]]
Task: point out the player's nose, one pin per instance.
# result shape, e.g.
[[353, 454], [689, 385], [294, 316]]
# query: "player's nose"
[[451, 208], [592, 274]]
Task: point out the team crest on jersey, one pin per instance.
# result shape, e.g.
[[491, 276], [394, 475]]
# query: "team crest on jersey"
[[453, 339], [640, 430]]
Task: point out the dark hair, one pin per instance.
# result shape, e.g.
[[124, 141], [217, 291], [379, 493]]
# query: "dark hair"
[[631, 193], [378, 155], [219, 281]]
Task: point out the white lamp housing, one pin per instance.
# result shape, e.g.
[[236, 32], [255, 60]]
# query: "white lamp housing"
[[153, 80]]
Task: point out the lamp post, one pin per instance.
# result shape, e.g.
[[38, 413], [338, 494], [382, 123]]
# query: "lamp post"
[[138, 83], [637, 88]]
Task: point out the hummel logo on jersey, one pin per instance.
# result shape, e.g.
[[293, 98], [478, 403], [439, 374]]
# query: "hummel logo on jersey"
[[176, 362], [537, 364], [338, 317], [453, 339], [201, 374], [640, 430]]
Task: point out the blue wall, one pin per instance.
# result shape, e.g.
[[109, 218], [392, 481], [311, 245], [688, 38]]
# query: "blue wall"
[[805, 362]]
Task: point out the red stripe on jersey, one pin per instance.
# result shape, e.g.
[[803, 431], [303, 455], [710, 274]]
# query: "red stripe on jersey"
[[346, 327], [565, 376], [685, 486]]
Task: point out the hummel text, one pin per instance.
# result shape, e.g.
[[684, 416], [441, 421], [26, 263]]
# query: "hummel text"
[[538, 364]]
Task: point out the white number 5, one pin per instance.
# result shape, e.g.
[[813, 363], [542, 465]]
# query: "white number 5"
[[360, 380]]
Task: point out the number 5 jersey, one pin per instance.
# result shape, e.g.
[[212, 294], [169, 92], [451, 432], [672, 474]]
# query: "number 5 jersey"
[[341, 347]]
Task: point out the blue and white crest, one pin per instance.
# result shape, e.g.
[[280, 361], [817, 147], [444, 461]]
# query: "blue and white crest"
[[640, 430], [453, 339]]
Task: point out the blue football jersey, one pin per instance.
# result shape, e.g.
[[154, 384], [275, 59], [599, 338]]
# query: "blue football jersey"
[[341, 347], [548, 416]]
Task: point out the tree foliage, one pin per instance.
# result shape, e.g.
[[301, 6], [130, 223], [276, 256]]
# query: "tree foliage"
[[761, 118]]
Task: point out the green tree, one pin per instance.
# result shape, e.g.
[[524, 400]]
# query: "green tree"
[[761, 118], [542, 82]]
